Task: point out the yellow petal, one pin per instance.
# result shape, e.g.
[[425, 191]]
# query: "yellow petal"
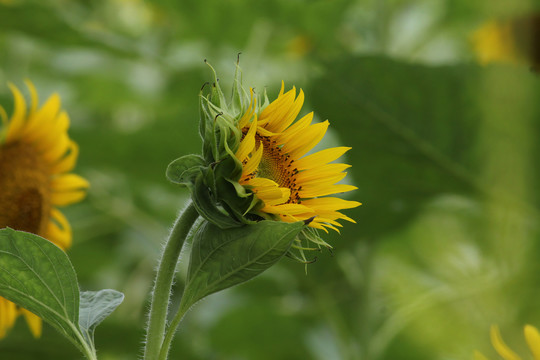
[[325, 190], [533, 340], [33, 95], [321, 172], [287, 209], [253, 163], [4, 116], [274, 113], [59, 230], [8, 314], [57, 149], [330, 179], [320, 158], [289, 117], [307, 140], [69, 182], [18, 118], [68, 162], [67, 197], [330, 203], [33, 321], [248, 142], [499, 345], [294, 130]]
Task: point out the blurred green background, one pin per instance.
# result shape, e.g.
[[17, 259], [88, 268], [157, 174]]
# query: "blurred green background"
[[445, 155]]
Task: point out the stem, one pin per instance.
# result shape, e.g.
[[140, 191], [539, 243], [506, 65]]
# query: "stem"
[[172, 330], [164, 278]]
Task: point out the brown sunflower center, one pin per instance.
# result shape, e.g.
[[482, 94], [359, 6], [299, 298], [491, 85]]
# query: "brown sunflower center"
[[24, 189], [278, 166]]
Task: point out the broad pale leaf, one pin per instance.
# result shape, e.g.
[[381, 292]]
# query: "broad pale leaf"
[[95, 307]]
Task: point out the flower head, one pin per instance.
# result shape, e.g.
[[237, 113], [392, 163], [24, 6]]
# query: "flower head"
[[514, 41], [256, 164], [532, 336], [36, 156]]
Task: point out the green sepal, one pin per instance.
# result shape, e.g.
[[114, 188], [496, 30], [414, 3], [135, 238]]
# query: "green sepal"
[[221, 258], [208, 208], [185, 169]]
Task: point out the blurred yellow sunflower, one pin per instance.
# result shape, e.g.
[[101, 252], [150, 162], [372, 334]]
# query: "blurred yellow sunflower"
[[292, 185], [36, 155], [514, 40], [531, 336]]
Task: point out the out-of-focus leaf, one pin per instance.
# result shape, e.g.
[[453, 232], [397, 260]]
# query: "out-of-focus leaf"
[[412, 129]]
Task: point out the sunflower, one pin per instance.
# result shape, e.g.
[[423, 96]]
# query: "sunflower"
[[514, 41], [36, 155], [292, 185], [531, 336]]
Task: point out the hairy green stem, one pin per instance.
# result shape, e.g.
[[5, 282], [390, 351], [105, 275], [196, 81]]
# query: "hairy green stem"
[[172, 329], [164, 278]]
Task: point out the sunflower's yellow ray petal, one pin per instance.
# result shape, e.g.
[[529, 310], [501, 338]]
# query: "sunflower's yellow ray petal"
[[277, 109], [479, 356], [533, 340], [47, 132], [33, 95], [276, 119], [8, 314], [321, 172], [67, 197], [324, 181], [320, 158], [326, 190], [325, 225], [330, 203], [4, 116], [56, 150], [248, 143], [264, 132], [68, 162], [4, 320], [45, 117], [249, 113], [292, 113], [311, 136], [253, 163], [33, 321], [18, 118], [499, 345], [287, 209], [262, 182], [295, 129], [68, 182], [273, 196], [59, 230]]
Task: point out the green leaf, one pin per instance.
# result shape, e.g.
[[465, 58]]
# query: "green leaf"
[[185, 169], [37, 275], [223, 258], [95, 307]]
